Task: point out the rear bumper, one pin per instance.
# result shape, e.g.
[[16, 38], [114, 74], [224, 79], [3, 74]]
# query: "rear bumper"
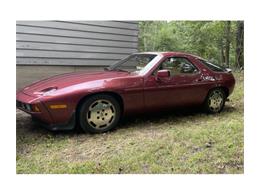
[[231, 84]]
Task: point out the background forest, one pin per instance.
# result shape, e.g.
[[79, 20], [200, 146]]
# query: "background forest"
[[220, 42]]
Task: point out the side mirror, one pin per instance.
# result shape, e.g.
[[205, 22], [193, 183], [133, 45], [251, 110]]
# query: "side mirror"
[[163, 74]]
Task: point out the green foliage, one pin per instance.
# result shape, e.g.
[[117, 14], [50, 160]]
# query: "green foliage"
[[202, 38]]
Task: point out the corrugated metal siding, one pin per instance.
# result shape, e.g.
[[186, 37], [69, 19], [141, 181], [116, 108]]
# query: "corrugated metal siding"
[[76, 43]]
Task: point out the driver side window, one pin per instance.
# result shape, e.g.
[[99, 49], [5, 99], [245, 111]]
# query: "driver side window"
[[178, 65]]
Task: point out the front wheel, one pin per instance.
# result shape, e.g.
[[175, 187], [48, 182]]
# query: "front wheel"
[[215, 101], [99, 113]]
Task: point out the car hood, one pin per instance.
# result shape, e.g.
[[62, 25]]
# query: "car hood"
[[70, 79]]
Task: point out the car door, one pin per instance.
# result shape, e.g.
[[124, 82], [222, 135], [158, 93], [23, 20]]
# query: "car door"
[[183, 87]]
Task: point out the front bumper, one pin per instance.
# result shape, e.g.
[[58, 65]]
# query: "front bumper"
[[55, 127], [25, 103]]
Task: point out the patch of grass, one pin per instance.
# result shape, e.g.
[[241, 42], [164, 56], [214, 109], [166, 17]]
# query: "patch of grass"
[[176, 142]]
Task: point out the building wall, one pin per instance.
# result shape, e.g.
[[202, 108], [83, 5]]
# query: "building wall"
[[46, 48]]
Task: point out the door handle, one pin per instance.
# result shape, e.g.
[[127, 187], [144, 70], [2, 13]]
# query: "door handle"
[[199, 80], [160, 80]]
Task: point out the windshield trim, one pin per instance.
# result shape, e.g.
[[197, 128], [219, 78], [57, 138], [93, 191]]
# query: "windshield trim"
[[151, 64], [144, 69]]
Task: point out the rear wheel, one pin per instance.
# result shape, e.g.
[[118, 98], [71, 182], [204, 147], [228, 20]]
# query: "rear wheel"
[[215, 101], [99, 113]]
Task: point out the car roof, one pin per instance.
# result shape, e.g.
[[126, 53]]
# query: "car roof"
[[170, 53]]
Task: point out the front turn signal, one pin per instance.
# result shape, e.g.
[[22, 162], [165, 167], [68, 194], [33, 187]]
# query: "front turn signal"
[[35, 108], [58, 106]]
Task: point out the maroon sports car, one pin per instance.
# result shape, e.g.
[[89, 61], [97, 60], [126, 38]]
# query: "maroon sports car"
[[142, 82]]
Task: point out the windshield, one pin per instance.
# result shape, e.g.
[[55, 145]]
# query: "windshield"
[[133, 63]]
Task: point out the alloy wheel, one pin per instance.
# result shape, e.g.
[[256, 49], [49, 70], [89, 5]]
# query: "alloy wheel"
[[101, 114], [216, 101]]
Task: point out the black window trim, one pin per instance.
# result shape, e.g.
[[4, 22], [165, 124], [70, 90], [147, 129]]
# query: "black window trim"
[[186, 58]]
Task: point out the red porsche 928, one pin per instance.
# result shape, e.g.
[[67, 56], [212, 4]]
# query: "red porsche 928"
[[142, 82]]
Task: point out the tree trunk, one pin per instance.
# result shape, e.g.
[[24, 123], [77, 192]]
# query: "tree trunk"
[[240, 45], [154, 32], [227, 49], [144, 35], [222, 54]]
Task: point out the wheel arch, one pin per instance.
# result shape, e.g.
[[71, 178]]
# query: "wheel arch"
[[225, 89], [117, 96]]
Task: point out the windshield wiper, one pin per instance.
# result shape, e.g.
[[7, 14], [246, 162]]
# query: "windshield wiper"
[[107, 68], [115, 69], [118, 69]]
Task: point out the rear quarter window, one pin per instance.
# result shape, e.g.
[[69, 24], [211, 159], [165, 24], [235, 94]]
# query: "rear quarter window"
[[213, 67]]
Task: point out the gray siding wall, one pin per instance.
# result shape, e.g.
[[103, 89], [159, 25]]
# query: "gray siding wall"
[[74, 43], [47, 48]]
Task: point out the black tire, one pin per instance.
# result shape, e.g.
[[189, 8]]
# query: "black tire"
[[99, 113], [212, 104]]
